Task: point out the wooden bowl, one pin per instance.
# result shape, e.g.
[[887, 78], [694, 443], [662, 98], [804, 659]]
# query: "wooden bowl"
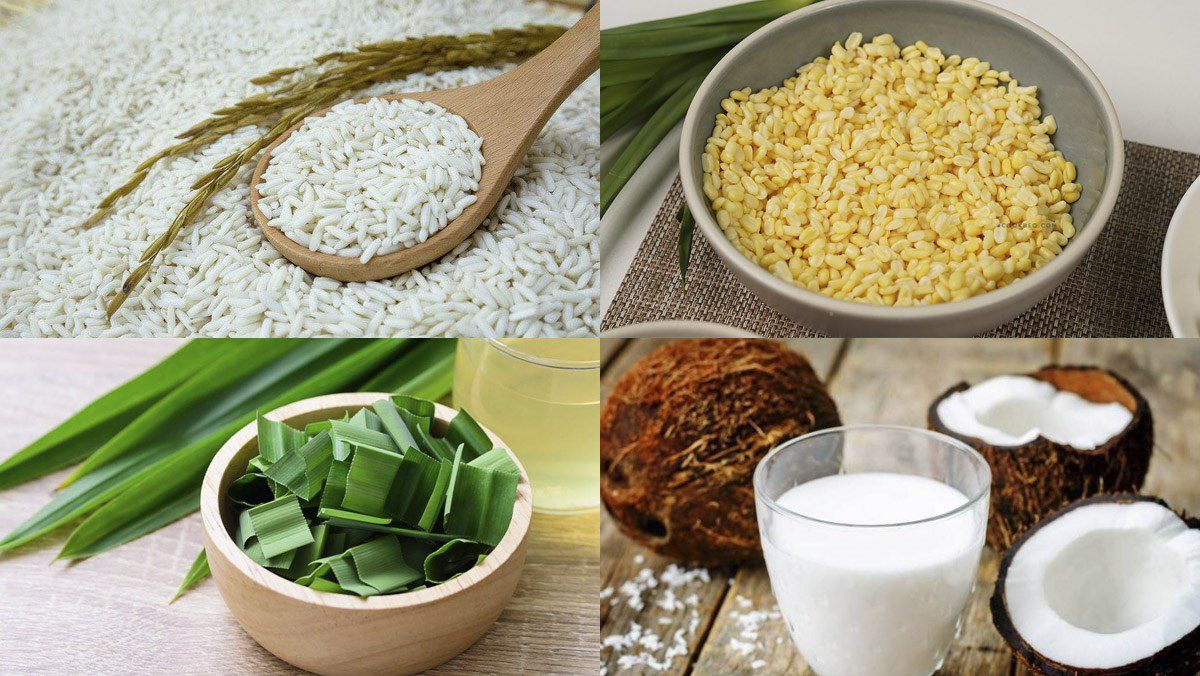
[[340, 634]]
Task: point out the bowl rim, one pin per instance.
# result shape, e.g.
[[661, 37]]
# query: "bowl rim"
[[1169, 274], [1062, 264], [214, 525]]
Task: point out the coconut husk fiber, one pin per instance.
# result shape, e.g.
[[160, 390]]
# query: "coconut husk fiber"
[[1035, 479], [681, 434]]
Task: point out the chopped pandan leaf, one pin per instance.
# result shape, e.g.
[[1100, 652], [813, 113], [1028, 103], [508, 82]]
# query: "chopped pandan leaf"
[[497, 459], [249, 490], [275, 439], [465, 431], [335, 542], [422, 408], [251, 546], [196, 573], [479, 504], [314, 428], [382, 522], [341, 450], [335, 484], [357, 535], [417, 416], [361, 437], [414, 487], [366, 419], [322, 585], [347, 577], [318, 569], [416, 550], [369, 481], [309, 553], [452, 559], [394, 425], [303, 471], [352, 517], [380, 563], [280, 526], [431, 445], [374, 524], [437, 497]]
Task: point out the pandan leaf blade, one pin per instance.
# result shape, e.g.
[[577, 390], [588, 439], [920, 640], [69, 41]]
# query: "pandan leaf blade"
[[78, 436]]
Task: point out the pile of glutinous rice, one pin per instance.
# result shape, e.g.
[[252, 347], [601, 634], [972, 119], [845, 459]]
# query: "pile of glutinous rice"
[[374, 503], [74, 123], [371, 178]]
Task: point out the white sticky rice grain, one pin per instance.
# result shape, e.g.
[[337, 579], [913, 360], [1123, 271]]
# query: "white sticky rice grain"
[[75, 122], [394, 172]]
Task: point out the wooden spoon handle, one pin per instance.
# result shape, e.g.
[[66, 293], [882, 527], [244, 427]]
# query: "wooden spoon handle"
[[532, 92]]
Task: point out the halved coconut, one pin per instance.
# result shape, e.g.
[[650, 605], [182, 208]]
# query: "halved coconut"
[[1107, 585], [1054, 436]]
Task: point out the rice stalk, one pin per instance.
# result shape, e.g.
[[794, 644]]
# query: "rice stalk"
[[300, 92]]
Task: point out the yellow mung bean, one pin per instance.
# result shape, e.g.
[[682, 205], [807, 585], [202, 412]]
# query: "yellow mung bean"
[[891, 175]]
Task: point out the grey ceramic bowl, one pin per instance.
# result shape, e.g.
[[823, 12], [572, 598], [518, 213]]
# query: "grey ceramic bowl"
[[1088, 135]]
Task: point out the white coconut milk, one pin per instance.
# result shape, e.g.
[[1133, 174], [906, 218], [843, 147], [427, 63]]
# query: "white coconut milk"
[[872, 600]]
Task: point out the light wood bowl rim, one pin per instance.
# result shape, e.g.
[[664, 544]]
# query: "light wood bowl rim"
[[387, 265], [268, 581]]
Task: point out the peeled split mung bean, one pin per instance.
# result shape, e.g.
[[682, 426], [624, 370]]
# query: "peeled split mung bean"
[[893, 176]]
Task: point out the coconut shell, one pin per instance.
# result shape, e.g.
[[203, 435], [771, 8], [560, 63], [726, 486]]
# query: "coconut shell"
[[1034, 479], [682, 431], [1182, 658]]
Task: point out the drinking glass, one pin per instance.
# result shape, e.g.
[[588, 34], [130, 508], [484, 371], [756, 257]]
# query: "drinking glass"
[[871, 595], [542, 397]]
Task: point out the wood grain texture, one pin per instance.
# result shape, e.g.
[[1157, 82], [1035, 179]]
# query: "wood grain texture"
[[507, 112], [893, 381], [110, 615]]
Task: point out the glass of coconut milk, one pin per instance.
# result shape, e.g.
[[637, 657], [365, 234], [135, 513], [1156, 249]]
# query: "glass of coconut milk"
[[872, 536]]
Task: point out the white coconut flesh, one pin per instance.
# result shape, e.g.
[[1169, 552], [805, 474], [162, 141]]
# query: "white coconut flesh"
[[1106, 584], [1015, 410]]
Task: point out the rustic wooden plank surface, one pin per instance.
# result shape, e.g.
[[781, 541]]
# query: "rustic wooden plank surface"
[[894, 381], [110, 615]]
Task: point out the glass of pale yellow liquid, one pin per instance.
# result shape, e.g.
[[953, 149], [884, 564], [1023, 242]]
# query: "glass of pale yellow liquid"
[[541, 396]]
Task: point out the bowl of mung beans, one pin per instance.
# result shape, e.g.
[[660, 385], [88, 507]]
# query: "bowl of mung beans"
[[901, 167]]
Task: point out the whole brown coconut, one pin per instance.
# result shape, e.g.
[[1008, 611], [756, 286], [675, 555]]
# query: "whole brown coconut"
[[682, 431], [1035, 479]]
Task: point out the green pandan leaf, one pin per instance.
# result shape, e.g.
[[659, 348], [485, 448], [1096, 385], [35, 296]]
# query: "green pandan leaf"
[[369, 482], [416, 481], [195, 575], [303, 471], [463, 430], [81, 434], [479, 503], [497, 459], [452, 559], [280, 526]]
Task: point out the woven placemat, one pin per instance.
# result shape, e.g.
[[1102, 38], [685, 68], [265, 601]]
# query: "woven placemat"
[[1115, 291]]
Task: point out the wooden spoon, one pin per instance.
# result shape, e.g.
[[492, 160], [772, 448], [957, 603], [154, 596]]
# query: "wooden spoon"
[[507, 112]]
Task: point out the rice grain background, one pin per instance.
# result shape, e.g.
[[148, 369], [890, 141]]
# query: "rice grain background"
[[75, 120]]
